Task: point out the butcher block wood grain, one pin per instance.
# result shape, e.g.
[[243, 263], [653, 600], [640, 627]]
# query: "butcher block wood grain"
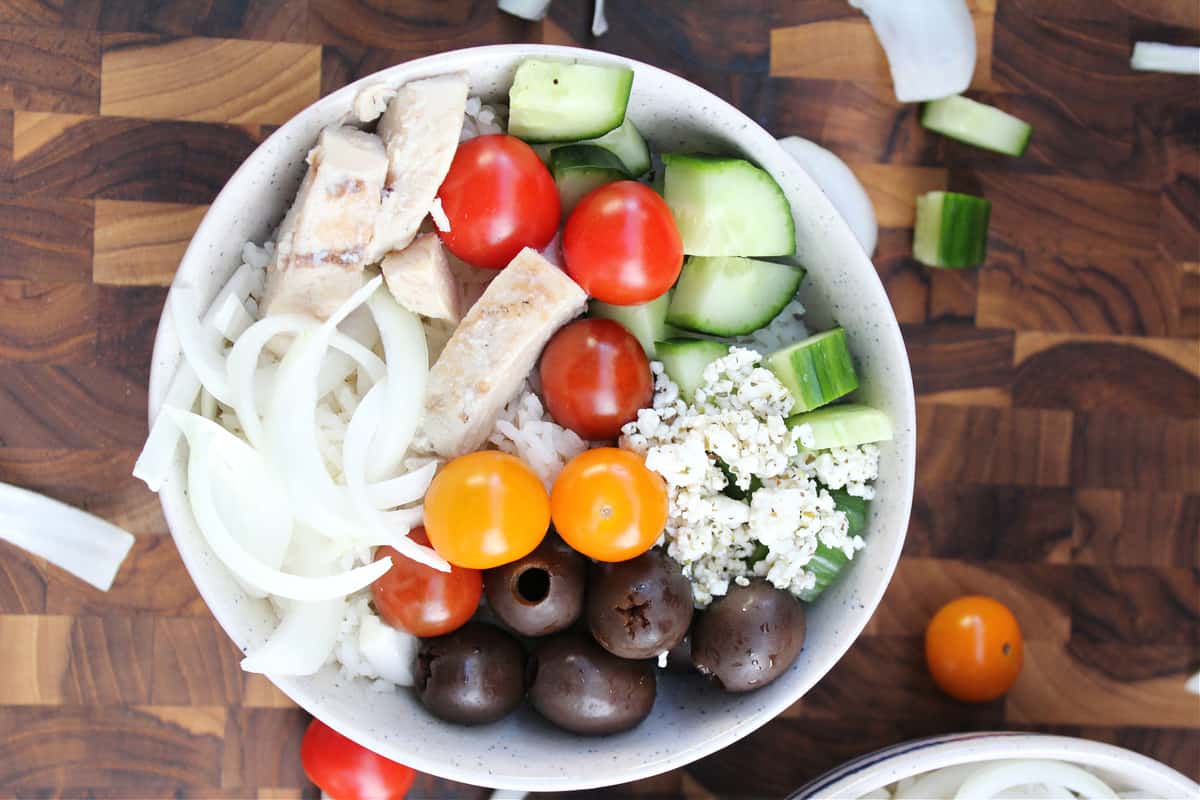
[[1059, 384]]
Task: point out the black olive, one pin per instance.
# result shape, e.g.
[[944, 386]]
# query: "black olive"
[[749, 637], [583, 688], [679, 659], [541, 593], [640, 607], [470, 676]]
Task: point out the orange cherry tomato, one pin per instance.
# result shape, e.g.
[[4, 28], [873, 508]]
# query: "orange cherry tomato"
[[607, 505], [973, 649], [486, 509]]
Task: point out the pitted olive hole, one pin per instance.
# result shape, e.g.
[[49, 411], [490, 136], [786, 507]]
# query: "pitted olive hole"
[[533, 585], [635, 615]]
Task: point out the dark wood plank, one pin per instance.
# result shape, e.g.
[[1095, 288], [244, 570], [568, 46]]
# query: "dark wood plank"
[[44, 406], [195, 664], [953, 355], [235, 19], [261, 747], [418, 28], [111, 660], [151, 581], [22, 584], [1000, 523], [45, 238], [49, 69], [1021, 447], [50, 323], [1136, 605], [1120, 451], [128, 320], [125, 159], [1136, 529]]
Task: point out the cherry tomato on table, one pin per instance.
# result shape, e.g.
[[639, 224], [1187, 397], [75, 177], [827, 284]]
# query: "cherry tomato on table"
[[973, 649], [607, 505], [499, 197], [621, 244], [422, 600], [485, 509], [348, 771], [595, 377]]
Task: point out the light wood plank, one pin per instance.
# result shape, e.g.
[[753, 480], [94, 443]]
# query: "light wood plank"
[[33, 659], [894, 189], [141, 244]]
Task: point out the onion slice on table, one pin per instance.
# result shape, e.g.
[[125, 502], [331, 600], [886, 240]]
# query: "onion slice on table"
[[209, 442], [84, 545], [532, 10], [989, 781], [930, 45], [840, 185], [1159, 57]]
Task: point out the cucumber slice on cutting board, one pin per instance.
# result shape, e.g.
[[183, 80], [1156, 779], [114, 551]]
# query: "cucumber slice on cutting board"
[[951, 229], [844, 425], [627, 144], [977, 124], [646, 321], [579, 168], [727, 207], [730, 295], [554, 101], [685, 360], [829, 562], [817, 370]]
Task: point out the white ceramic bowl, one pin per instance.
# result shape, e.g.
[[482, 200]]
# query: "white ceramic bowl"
[[1121, 768], [690, 719]]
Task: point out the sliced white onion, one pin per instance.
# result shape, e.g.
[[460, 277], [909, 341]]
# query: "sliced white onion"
[[303, 641], [408, 369], [389, 652], [1159, 57], [389, 527], [532, 10], [930, 45], [599, 21], [840, 185], [402, 490], [1193, 684], [84, 545], [208, 442], [939, 783], [231, 318], [990, 780], [199, 348]]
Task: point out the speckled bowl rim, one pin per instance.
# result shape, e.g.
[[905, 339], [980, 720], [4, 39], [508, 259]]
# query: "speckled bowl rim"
[[586, 769], [884, 767]]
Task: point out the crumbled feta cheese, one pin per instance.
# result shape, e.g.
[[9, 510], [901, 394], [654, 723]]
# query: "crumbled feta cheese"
[[736, 430]]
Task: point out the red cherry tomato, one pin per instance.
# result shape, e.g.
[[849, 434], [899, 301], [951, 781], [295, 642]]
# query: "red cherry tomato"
[[422, 600], [348, 771], [595, 377], [621, 244], [499, 197]]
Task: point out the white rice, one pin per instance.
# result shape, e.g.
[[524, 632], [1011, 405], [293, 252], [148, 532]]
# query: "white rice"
[[527, 431]]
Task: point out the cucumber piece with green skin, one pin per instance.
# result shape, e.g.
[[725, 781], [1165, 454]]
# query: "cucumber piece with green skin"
[[554, 101], [685, 360], [626, 143], [843, 425], [977, 124], [580, 168], [730, 295], [828, 562], [951, 229], [727, 207], [646, 321], [817, 370]]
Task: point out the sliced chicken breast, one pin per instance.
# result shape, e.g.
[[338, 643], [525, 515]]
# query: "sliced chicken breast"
[[419, 278], [420, 130], [494, 349], [322, 244]]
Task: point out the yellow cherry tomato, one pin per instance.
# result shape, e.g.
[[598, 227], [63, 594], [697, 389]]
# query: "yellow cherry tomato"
[[607, 505], [973, 649], [486, 509]]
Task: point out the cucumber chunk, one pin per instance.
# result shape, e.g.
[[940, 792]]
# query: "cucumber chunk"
[[844, 425], [727, 207], [646, 321], [579, 168], [951, 229], [627, 144], [553, 101], [977, 124], [817, 370], [828, 563], [685, 360], [730, 295]]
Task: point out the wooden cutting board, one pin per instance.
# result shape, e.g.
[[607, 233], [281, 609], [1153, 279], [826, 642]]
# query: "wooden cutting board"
[[1059, 394]]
